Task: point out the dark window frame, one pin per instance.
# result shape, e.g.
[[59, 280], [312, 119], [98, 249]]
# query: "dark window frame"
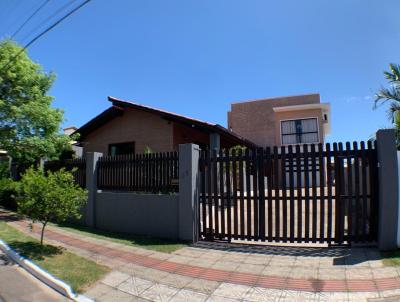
[[299, 134], [122, 143]]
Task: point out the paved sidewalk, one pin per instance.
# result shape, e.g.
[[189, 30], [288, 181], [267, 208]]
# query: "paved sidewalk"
[[223, 272]]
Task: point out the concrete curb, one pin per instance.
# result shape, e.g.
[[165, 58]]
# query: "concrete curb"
[[42, 275]]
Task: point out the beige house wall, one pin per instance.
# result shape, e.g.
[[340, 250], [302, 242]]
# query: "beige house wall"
[[294, 115], [145, 129], [256, 120]]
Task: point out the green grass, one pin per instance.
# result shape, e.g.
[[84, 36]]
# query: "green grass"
[[150, 243], [77, 271], [391, 258]]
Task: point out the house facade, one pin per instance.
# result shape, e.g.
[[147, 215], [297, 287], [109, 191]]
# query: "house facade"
[[282, 120], [129, 128]]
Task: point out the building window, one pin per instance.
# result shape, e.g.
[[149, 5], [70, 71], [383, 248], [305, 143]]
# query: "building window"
[[302, 131], [121, 148]]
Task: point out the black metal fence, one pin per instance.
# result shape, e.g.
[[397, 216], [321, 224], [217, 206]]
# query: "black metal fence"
[[153, 173], [308, 193], [79, 164]]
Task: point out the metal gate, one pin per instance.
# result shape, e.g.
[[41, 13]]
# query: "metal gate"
[[308, 193]]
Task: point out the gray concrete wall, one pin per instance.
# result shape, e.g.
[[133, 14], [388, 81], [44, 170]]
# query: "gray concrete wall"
[[141, 214], [388, 189], [189, 181]]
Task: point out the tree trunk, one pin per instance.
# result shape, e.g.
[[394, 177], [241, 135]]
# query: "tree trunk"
[[42, 233]]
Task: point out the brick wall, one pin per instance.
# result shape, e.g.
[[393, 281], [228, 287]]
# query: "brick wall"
[[145, 129], [256, 120]]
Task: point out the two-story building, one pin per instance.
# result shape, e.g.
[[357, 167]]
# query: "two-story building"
[[282, 120]]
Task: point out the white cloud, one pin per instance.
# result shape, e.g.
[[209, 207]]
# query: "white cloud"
[[358, 98]]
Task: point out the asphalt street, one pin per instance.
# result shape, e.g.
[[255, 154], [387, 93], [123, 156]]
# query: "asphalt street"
[[17, 285]]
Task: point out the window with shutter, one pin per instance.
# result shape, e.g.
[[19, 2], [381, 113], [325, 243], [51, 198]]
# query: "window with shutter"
[[301, 131]]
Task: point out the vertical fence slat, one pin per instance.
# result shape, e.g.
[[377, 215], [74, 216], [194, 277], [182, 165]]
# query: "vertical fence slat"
[[209, 196], [261, 194], [276, 194], [349, 204], [284, 194], [314, 193], [356, 208], [215, 191], [340, 200], [322, 185], [255, 194], [307, 195], [248, 194], [228, 194], [364, 230], [235, 197], [241, 188], [221, 192], [291, 192], [299, 194], [203, 193], [329, 184], [269, 187]]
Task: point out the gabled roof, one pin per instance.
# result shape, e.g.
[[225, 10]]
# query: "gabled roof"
[[118, 106]]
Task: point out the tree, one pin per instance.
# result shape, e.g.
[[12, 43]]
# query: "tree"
[[29, 126], [50, 196], [391, 94]]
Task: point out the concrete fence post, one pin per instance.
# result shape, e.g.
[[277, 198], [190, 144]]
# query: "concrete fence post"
[[91, 186], [388, 189], [189, 185]]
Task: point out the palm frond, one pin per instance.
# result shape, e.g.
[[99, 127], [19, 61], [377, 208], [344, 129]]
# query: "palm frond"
[[387, 94], [394, 75], [393, 110]]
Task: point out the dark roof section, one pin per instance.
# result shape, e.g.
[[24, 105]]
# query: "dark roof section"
[[120, 105]]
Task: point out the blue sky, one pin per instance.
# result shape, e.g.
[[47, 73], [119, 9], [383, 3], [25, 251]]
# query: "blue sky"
[[196, 57]]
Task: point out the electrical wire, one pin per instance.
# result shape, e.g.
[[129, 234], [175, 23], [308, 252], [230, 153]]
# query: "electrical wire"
[[49, 18], [43, 33], [29, 18]]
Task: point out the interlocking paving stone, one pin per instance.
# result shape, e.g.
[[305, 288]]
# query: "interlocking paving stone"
[[250, 268], [226, 265], [388, 299], [257, 259], [98, 290], [135, 286], [259, 294], [115, 278], [332, 274], [203, 286], [385, 272], [232, 291], [281, 271], [177, 281], [185, 295], [159, 292]]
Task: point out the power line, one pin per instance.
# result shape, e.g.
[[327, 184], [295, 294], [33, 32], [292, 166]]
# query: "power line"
[[29, 18], [4, 20], [44, 32], [49, 18]]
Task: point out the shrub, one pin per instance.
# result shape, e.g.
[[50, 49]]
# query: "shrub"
[[8, 193], [4, 169], [50, 196]]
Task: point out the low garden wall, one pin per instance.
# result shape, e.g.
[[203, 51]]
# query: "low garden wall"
[[142, 214]]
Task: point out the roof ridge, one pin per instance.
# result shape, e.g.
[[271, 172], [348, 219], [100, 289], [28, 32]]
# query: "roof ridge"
[[114, 99], [275, 97]]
